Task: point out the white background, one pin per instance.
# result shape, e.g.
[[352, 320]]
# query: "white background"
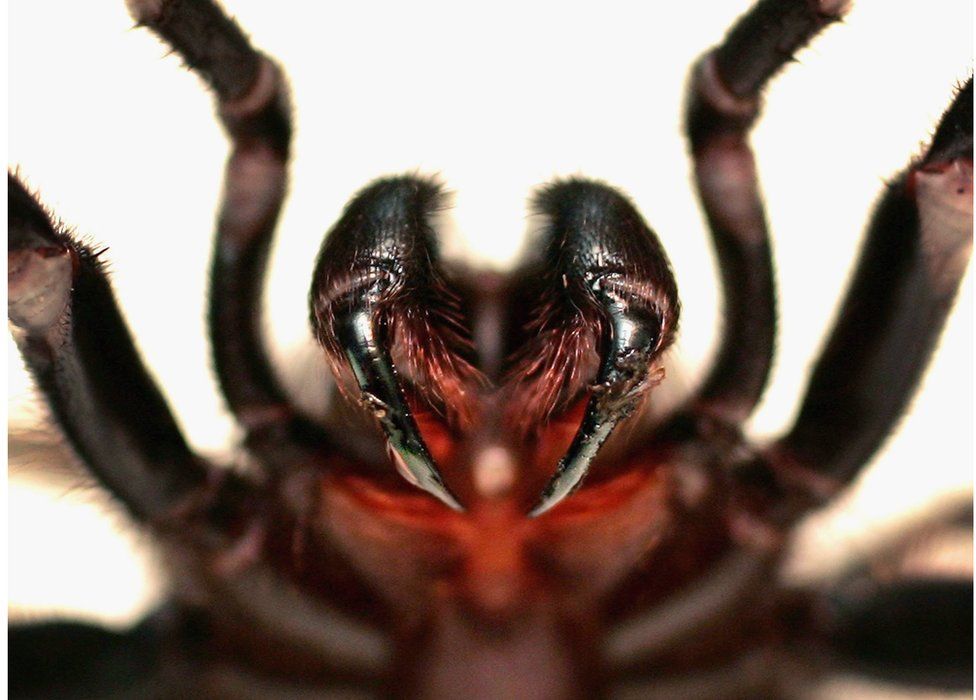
[[497, 99]]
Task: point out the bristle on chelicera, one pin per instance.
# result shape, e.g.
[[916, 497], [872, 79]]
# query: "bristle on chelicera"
[[554, 367], [382, 258], [431, 349], [601, 306]]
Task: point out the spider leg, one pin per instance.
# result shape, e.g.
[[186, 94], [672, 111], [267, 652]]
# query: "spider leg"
[[902, 613], [383, 311], [758, 673], [172, 653], [905, 614], [723, 104], [253, 106], [723, 599], [914, 631], [76, 660], [76, 345], [916, 252], [601, 281]]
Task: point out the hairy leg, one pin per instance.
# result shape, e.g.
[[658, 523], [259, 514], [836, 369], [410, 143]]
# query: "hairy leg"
[[916, 252], [73, 661], [79, 351], [252, 103], [760, 673], [723, 104], [179, 652], [915, 631], [901, 613]]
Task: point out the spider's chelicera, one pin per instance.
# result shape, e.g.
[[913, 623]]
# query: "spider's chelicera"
[[478, 526]]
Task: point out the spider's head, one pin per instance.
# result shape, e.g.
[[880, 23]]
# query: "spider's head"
[[486, 387]]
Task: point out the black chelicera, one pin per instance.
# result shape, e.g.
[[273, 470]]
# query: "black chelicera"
[[527, 547]]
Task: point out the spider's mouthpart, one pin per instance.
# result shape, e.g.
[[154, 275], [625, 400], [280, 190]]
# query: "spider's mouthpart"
[[600, 280], [382, 308], [382, 394]]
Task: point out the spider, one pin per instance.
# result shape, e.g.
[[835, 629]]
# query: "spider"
[[269, 566]]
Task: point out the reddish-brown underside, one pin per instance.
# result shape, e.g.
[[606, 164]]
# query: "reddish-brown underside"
[[490, 583], [492, 560], [466, 594]]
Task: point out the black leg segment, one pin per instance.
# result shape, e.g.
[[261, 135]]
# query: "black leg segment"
[[917, 631], [253, 106], [916, 252], [723, 104], [75, 661], [79, 351]]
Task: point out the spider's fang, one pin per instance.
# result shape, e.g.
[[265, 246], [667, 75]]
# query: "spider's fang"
[[382, 308], [377, 378], [625, 374], [600, 277]]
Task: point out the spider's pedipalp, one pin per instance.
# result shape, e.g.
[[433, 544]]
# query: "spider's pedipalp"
[[723, 105], [767, 37], [912, 262], [733, 585], [78, 348], [255, 182], [602, 270], [381, 306]]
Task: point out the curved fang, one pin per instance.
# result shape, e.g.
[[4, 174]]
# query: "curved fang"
[[377, 378], [622, 381]]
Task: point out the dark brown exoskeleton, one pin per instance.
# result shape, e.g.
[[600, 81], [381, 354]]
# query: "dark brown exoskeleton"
[[478, 526]]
